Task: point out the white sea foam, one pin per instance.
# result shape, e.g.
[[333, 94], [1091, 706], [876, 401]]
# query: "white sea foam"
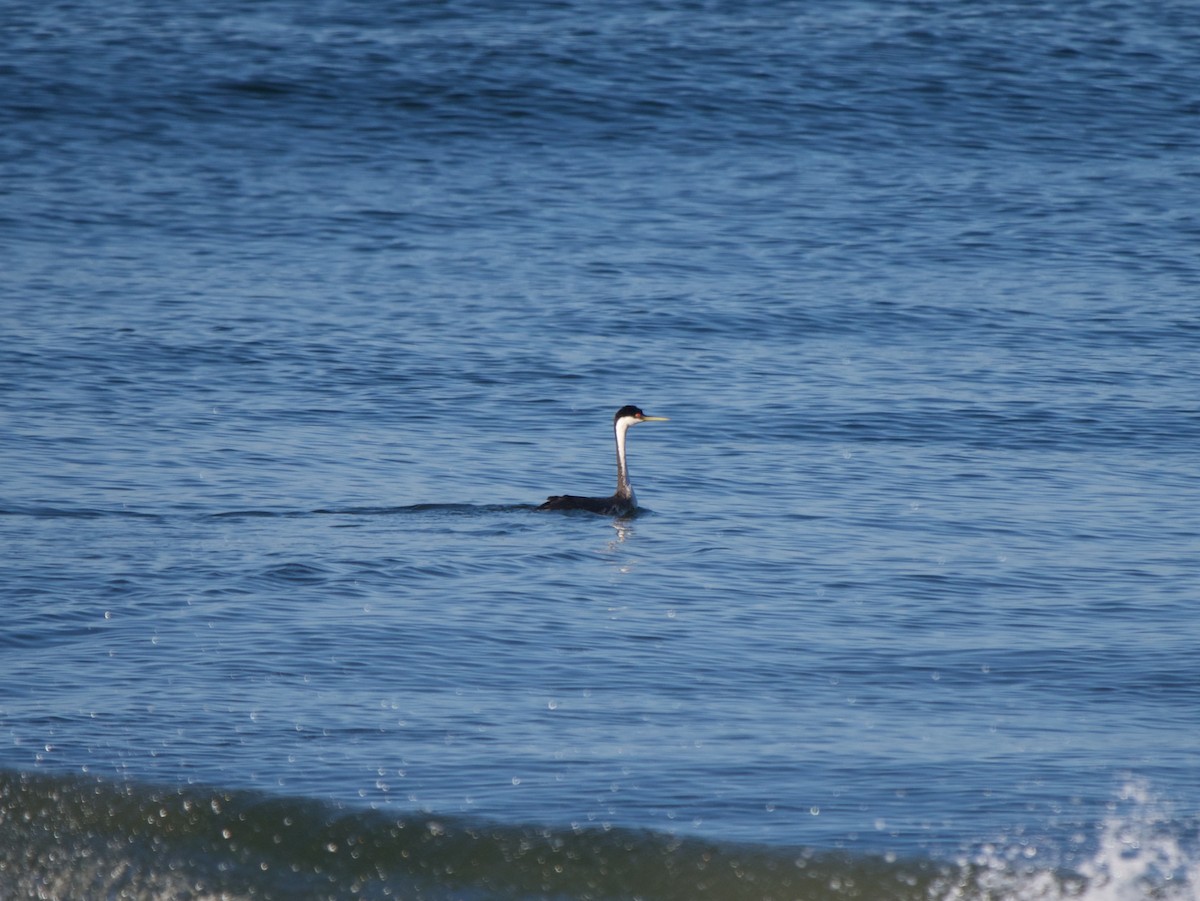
[[1138, 854]]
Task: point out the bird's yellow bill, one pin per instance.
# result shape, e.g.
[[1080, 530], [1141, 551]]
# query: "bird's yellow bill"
[[655, 419]]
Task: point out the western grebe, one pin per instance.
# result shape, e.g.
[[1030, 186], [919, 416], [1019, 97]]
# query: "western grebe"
[[623, 503]]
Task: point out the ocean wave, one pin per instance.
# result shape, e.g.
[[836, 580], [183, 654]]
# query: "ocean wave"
[[72, 836]]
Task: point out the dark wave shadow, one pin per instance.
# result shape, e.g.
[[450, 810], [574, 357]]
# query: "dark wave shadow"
[[77, 513], [421, 509], [405, 510]]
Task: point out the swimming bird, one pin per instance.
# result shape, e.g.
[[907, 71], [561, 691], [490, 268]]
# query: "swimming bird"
[[623, 503]]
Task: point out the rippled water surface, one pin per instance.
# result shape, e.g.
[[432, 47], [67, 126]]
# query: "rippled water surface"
[[308, 307]]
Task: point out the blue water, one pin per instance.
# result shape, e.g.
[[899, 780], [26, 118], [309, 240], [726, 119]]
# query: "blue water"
[[307, 306]]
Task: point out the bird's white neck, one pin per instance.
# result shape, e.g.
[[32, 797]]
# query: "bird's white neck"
[[624, 489]]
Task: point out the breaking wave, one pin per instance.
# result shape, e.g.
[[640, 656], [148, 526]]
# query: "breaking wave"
[[72, 837]]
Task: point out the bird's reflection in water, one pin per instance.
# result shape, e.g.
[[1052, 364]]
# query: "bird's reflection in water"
[[624, 529]]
